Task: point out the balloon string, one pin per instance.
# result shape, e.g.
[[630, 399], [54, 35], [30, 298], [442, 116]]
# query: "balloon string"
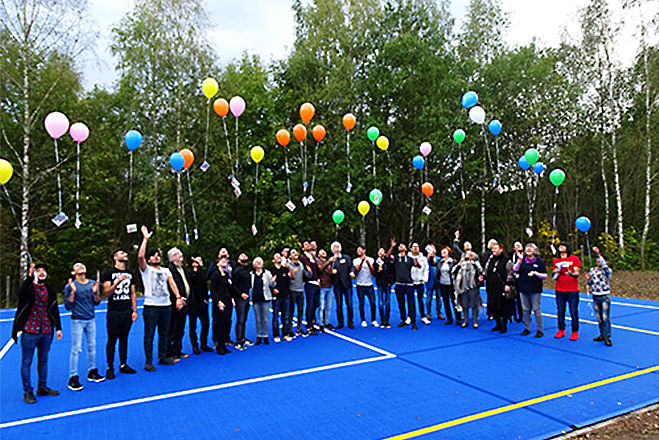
[[256, 184], [305, 160], [590, 260], [348, 155], [315, 165], [59, 182], [377, 224], [77, 181], [194, 211], [226, 135], [236, 145], [496, 143], [18, 225], [288, 180], [391, 181], [462, 188], [553, 219], [374, 173], [182, 205], [130, 178], [208, 116]]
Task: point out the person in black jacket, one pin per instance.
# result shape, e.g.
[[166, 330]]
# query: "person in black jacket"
[[198, 306], [36, 315], [242, 281], [223, 295], [500, 278], [183, 282], [384, 279], [342, 270]]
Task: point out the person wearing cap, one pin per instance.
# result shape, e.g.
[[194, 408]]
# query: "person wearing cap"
[[598, 280], [565, 270], [36, 316], [119, 288]]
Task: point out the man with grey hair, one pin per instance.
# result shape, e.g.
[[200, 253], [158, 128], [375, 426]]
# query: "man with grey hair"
[[343, 272], [183, 281]]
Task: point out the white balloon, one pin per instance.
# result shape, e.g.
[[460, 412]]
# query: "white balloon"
[[477, 114]]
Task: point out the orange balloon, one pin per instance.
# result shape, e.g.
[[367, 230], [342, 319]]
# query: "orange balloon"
[[221, 107], [188, 155], [283, 137], [306, 112], [318, 133], [427, 189], [300, 132], [349, 121]]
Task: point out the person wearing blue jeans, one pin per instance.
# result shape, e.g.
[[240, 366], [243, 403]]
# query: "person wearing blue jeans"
[[325, 279], [281, 300], [81, 296], [598, 280], [363, 268]]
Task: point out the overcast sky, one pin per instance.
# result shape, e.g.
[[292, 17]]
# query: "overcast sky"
[[267, 28]]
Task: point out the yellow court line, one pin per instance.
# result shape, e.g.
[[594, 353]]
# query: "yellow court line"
[[508, 408], [622, 327]]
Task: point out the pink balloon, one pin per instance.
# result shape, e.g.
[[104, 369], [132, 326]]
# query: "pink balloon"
[[56, 124], [79, 132], [425, 148], [237, 106]]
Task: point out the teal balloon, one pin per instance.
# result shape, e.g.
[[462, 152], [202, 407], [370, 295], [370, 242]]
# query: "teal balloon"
[[523, 164], [373, 133], [556, 177], [531, 155], [375, 196], [176, 160]]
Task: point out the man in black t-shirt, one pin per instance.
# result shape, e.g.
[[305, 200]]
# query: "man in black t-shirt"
[[403, 264], [119, 288]]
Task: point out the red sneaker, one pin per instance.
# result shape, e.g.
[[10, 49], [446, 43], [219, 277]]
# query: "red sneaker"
[[560, 334], [574, 336]]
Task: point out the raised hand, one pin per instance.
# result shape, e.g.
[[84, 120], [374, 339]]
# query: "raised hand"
[[145, 232]]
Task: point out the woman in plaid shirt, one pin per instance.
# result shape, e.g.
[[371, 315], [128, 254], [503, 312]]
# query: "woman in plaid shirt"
[[598, 280]]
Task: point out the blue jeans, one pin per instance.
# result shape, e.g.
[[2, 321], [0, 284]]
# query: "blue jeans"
[[281, 305], [562, 298], [602, 306], [384, 295], [156, 316], [30, 341], [341, 294], [78, 326], [312, 293], [368, 291], [325, 305], [262, 314]]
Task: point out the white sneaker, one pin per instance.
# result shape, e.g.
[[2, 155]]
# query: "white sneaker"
[[277, 339], [425, 320], [408, 321], [364, 324], [375, 324]]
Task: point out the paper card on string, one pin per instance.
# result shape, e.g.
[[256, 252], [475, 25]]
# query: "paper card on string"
[[349, 187], [305, 185], [254, 231], [59, 219], [304, 201], [290, 205], [187, 238], [529, 232], [77, 223], [427, 210], [196, 234], [237, 191], [130, 228], [234, 182], [310, 200], [205, 166]]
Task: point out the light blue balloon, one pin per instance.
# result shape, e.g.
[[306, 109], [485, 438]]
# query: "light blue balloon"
[[495, 127], [469, 99], [176, 160], [538, 167], [523, 163], [133, 139], [582, 223], [419, 162]]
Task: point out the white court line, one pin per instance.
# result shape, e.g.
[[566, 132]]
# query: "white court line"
[[641, 306], [8, 345], [67, 314], [362, 344]]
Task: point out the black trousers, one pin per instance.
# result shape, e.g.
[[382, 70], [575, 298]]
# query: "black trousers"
[[366, 291], [176, 330], [297, 298], [419, 289], [448, 296], [406, 293], [242, 309], [341, 293], [222, 323], [118, 325], [198, 311]]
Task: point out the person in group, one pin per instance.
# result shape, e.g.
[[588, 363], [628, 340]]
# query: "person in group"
[[466, 247], [419, 279], [500, 277], [157, 283], [285, 251], [183, 281], [198, 306], [363, 269], [565, 270], [223, 295], [296, 275], [467, 275], [262, 283], [531, 273], [80, 296], [119, 288], [444, 282], [404, 286], [37, 315], [311, 286], [222, 253], [598, 280], [384, 279], [516, 255], [488, 251], [242, 281], [342, 270], [432, 290], [325, 280], [280, 298]]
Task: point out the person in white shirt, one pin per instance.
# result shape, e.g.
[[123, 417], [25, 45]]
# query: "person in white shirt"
[[363, 268], [420, 275], [157, 304]]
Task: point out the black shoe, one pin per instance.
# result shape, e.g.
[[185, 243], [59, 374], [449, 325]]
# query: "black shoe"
[[196, 350], [313, 332], [266, 341], [339, 327], [29, 397], [608, 342], [126, 369], [47, 392], [449, 322], [109, 373], [206, 348], [496, 328], [93, 376], [351, 325], [402, 324], [329, 327], [258, 341], [219, 350], [414, 327], [166, 361], [74, 384], [503, 329], [525, 333], [538, 334], [150, 368], [226, 350], [230, 342], [600, 338], [248, 343]]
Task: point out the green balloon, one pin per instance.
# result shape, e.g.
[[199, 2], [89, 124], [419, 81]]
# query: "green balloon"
[[459, 136], [556, 177], [375, 196], [373, 133], [531, 155], [338, 216]]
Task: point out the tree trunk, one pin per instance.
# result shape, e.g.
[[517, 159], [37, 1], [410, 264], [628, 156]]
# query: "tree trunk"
[[614, 153], [606, 188], [25, 202], [648, 145], [483, 221]]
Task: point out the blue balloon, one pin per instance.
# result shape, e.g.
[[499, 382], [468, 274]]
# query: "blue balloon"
[[418, 162], [133, 139], [495, 127], [523, 163], [582, 223], [176, 160], [469, 99], [538, 168]]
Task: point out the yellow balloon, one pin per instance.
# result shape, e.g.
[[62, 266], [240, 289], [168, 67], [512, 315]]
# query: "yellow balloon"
[[363, 207], [209, 87], [257, 154], [6, 170], [382, 143]]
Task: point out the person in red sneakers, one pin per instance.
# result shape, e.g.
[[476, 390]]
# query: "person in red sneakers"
[[566, 273]]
